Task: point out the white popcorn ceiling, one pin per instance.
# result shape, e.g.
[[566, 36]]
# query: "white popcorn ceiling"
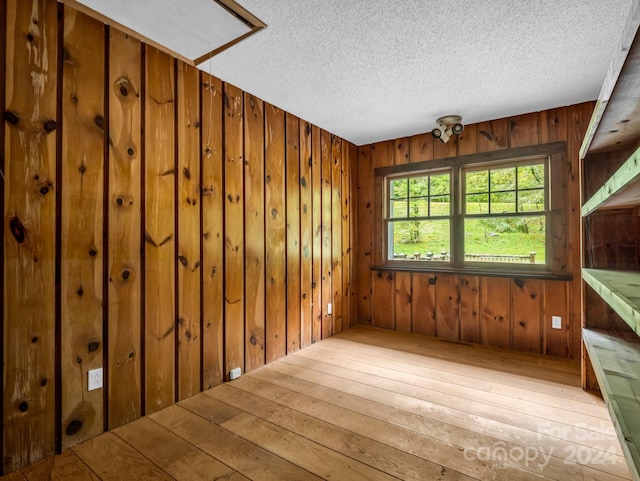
[[372, 70]]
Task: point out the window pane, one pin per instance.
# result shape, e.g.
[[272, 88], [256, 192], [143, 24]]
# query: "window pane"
[[503, 202], [418, 207], [420, 240], [477, 204], [503, 179], [398, 189], [477, 182], [440, 205], [418, 186], [531, 176], [531, 200], [398, 208], [505, 240], [440, 184]]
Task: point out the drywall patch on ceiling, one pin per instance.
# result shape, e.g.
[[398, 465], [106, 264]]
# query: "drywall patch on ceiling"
[[371, 70], [191, 29]]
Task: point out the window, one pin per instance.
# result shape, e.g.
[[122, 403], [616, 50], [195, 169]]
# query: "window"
[[505, 213], [419, 221], [478, 213]]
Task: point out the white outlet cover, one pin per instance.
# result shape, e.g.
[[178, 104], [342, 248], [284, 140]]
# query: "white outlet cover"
[[556, 322], [329, 308], [235, 373], [95, 379]]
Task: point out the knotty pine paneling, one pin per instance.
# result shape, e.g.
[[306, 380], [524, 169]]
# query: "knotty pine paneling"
[[316, 225], [159, 223], [275, 233], [254, 223], [234, 227], [3, 79], [159, 230], [30, 187], [495, 311], [325, 160], [188, 235], [124, 224], [82, 244], [526, 298], [336, 234], [306, 236], [212, 232], [363, 171], [294, 294]]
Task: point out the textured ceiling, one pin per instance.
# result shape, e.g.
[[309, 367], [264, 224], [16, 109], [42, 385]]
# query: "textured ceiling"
[[371, 70]]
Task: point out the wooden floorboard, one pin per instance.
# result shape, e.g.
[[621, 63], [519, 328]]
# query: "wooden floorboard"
[[371, 405]]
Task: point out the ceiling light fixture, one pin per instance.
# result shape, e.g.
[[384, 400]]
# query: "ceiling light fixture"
[[447, 126]]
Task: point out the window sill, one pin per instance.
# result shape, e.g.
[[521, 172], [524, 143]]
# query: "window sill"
[[474, 271]]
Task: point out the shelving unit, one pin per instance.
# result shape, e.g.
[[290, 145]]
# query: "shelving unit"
[[616, 361], [610, 170]]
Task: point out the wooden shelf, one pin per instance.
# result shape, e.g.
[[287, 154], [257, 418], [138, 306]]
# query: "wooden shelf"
[[615, 122], [621, 190], [621, 290], [615, 358]]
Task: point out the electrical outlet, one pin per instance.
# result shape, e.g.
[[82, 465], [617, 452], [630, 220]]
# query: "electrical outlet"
[[556, 322], [95, 379], [329, 308], [235, 373]]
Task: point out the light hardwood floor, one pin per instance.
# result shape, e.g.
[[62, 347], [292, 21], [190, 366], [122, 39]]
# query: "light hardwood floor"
[[369, 405]]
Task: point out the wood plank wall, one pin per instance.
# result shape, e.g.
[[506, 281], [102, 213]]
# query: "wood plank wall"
[[158, 223], [501, 312]]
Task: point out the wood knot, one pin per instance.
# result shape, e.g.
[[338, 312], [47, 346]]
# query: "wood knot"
[[30, 37], [187, 173], [120, 201], [125, 274], [44, 381], [131, 151], [274, 213], [80, 292], [73, 428], [17, 229], [124, 91], [82, 169], [50, 126], [304, 295], [93, 346], [99, 121], [93, 253], [11, 117], [519, 283], [34, 339], [253, 340], [23, 407], [44, 190], [303, 182]]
